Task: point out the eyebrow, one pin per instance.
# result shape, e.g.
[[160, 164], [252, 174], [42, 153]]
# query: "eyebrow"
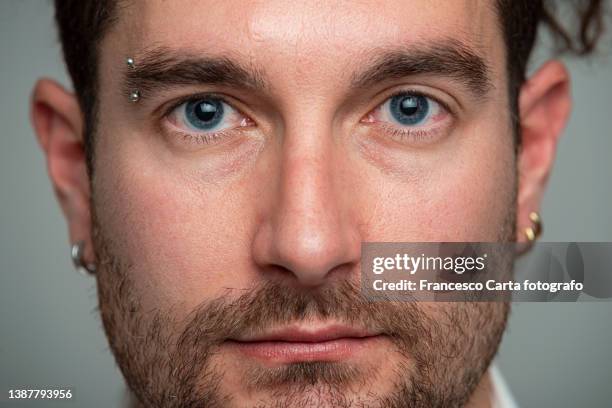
[[449, 58], [163, 67]]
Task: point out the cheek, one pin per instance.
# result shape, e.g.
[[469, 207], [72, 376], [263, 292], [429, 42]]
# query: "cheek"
[[462, 192], [172, 229]]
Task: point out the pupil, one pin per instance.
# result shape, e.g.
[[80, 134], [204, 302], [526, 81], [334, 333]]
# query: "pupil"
[[409, 106], [206, 111]]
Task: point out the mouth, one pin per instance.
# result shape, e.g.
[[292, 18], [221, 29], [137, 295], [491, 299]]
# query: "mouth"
[[306, 343]]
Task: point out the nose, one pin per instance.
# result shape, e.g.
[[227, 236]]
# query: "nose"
[[309, 230]]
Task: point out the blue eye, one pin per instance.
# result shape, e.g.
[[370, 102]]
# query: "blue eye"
[[411, 117], [409, 109], [205, 119], [204, 114]]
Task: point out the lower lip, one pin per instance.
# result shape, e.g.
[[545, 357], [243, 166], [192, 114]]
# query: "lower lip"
[[286, 352]]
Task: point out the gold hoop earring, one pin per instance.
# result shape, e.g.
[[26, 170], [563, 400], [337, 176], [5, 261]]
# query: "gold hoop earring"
[[532, 233]]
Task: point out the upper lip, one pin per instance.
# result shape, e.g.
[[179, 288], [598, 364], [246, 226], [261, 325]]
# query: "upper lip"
[[309, 334]]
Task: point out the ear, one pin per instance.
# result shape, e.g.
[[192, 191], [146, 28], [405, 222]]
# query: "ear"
[[544, 106], [58, 123]]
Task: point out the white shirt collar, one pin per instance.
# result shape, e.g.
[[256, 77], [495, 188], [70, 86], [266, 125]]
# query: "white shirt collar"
[[502, 398]]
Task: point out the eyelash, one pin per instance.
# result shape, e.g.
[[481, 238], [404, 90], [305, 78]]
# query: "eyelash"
[[203, 138], [407, 135]]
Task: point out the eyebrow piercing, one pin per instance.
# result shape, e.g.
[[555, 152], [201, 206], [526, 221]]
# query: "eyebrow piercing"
[[135, 94]]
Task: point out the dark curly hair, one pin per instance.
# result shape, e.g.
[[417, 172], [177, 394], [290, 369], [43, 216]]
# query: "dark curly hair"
[[83, 23]]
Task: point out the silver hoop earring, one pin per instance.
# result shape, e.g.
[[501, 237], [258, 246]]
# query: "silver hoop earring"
[[76, 253]]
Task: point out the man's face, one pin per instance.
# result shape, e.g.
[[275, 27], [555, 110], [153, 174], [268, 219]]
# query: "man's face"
[[271, 139]]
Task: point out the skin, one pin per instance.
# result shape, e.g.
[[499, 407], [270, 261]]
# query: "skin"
[[288, 199]]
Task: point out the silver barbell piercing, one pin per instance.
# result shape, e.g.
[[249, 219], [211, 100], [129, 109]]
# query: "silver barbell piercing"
[[76, 253], [134, 95]]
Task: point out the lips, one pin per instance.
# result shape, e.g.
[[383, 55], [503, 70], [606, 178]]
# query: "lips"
[[306, 343]]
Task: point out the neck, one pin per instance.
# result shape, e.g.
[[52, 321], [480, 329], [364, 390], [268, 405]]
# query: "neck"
[[484, 394]]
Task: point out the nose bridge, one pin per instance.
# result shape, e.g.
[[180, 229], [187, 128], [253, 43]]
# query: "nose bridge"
[[306, 172], [310, 233], [308, 211]]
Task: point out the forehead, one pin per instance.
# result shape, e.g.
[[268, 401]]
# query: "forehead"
[[319, 29]]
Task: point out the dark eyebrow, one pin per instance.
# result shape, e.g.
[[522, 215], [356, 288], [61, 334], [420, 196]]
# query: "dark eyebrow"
[[163, 67], [447, 58]]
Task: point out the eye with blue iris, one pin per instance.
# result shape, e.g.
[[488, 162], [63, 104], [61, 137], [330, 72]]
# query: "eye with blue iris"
[[205, 118], [410, 115]]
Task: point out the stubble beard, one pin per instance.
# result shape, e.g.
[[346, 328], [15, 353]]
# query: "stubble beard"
[[167, 359]]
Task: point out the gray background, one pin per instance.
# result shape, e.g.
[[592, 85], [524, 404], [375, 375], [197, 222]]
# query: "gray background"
[[553, 355]]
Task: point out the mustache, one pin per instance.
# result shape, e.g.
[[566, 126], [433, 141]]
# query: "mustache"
[[274, 304]]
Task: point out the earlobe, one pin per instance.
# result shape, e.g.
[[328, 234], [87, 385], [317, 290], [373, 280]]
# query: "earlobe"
[[57, 121], [544, 105]]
